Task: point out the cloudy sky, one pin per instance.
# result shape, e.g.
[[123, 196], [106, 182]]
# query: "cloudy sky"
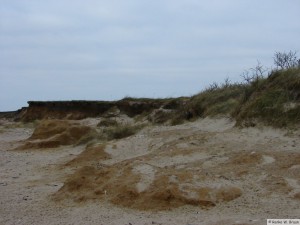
[[109, 49]]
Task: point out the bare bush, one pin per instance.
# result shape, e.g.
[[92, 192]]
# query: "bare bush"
[[254, 74], [212, 87], [286, 60]]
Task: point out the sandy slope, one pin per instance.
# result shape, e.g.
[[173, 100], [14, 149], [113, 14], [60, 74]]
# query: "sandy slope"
[[264, 163]]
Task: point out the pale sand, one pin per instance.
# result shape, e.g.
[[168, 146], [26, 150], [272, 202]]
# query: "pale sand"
[[28, 178]]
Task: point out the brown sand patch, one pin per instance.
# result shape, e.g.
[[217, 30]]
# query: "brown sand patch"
[[54, 133], [287, 160], [246, 158], [92, 154], [276, 184], [287, 165], [118, 184], [297, 196], [80, 186], [226, 194], [48, 128], [90, 183], [232, 165]]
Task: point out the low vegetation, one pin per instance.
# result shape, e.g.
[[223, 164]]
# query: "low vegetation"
[[107, 123], [271, 97], [121, 131], [215, 100], [112, 129], [274, 100]]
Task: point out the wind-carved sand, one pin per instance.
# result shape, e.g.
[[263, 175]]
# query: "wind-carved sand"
[[268, 159], [202, 172], [147, 173], [177, 159]]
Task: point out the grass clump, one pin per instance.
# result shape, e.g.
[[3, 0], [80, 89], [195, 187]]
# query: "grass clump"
[[121, 131], [107, 123], [161, 116], [275, 101], [217, 100], [88, 138], [177, 120], [214, 101]]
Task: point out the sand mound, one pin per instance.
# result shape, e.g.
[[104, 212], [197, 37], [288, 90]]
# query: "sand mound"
[[120, 184], [203, 173], [55, 133], [92, 155], [48, 128], [177, 167]]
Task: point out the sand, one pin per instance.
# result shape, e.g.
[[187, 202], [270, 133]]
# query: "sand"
[[251, 174]]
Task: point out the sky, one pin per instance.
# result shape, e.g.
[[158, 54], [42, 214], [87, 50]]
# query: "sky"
[[111, 49]]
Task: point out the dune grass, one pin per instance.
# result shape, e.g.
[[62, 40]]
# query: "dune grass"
[[108, 122], [216, 100], [273, 100], [121, 131]]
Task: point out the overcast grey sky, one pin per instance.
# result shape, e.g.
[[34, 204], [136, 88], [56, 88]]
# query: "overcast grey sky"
[[109, 49]]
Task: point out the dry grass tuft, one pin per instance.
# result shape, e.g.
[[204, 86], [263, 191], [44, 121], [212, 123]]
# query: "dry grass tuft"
[[91, 155], [297, 196], [55, 133], [118, 184], [120, 131], [108, 122], [246, 159]]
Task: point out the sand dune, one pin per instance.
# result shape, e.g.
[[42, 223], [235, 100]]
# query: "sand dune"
[[203, 172]]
